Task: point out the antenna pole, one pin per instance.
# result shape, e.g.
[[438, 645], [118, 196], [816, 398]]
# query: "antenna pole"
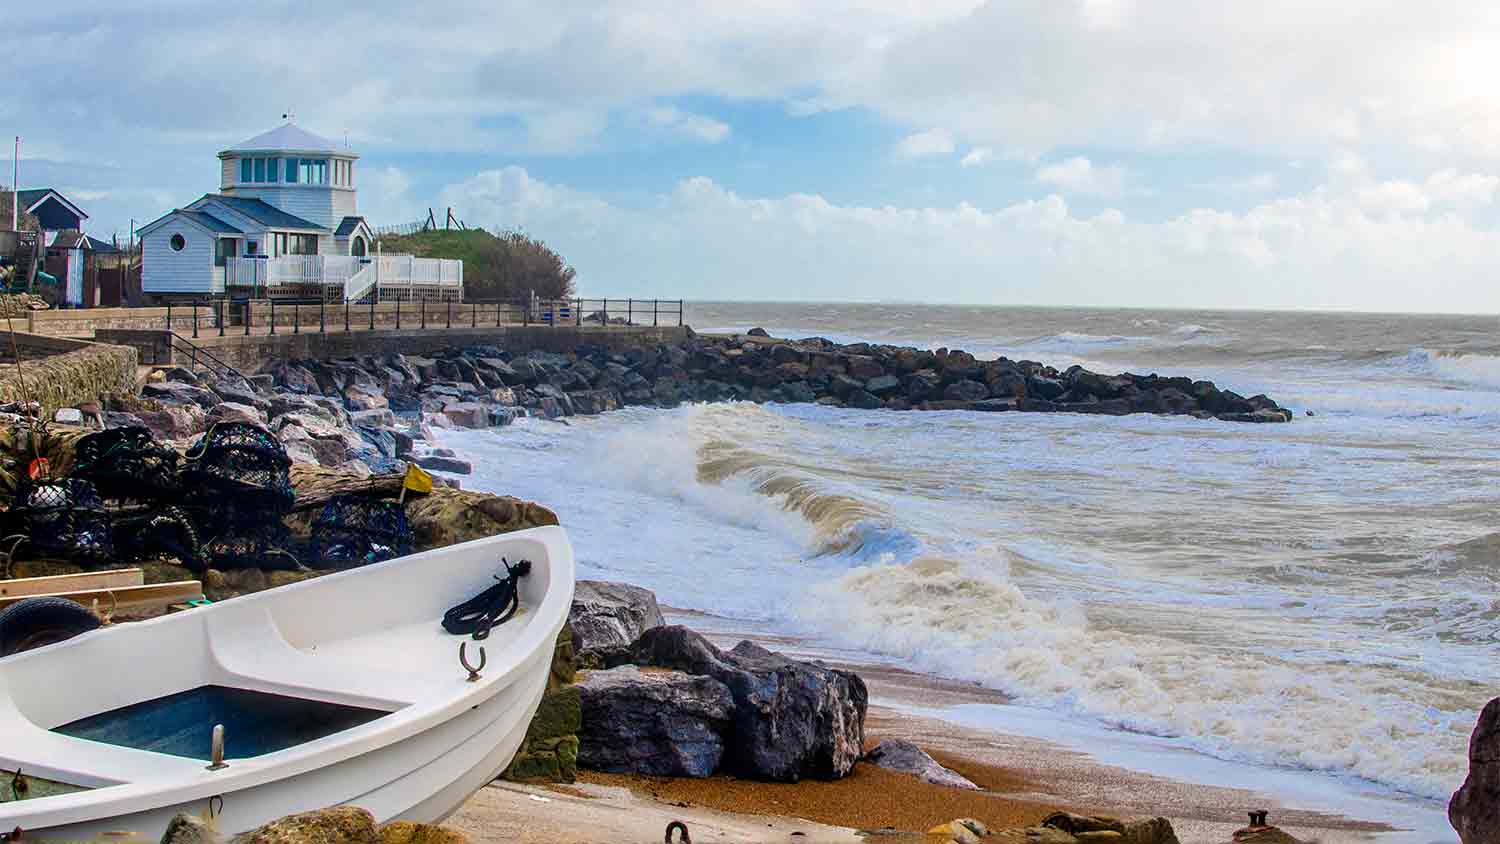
[[15, 187]]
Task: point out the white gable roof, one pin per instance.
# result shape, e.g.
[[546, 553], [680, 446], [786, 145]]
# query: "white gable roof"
[[288, 136]]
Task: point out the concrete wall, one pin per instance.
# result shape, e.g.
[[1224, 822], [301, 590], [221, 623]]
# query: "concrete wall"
[[249, 353], [85, 322], [87, 372]]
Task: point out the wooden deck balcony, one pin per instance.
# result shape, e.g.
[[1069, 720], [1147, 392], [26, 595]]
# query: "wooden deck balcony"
[[348, 278]]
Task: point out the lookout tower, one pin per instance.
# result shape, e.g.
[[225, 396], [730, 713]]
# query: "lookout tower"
[[295, 171]]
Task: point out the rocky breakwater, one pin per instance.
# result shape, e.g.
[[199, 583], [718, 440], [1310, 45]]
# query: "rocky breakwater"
[[369, 414]]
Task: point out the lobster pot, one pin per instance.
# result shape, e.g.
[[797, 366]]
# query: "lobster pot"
[[65, 518], [163, 534], [353, 530], [243, 463], [127, 463], [267, 545]]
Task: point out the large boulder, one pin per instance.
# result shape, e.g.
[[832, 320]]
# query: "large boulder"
[[1474, 810], [407, 832], [792, 719], [449, 516], [662, 723], [336, 825], [606, 613], [178, 392], [903, 756]]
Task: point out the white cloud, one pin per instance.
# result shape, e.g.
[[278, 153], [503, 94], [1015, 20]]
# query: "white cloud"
[[1079, 175], [978, 157], [692, 126], [1258, 183], [925, 144], [1278, 252]]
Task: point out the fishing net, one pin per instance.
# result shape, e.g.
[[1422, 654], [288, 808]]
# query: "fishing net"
[[267, 545], [162, 534], [353, 530], [64, 518], [243, 463], [127, 463]]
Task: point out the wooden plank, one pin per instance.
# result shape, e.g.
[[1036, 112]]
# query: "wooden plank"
[[127, 598], [30, 586]]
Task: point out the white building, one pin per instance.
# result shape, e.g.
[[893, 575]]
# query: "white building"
[[284, 222]]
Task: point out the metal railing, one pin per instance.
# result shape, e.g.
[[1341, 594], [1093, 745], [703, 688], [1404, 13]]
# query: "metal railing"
[[223, 315], [199, 356]]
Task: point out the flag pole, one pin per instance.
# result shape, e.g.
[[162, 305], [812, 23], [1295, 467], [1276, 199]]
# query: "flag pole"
[[15, 187]]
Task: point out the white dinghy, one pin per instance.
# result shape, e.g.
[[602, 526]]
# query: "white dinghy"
[[342, 690]]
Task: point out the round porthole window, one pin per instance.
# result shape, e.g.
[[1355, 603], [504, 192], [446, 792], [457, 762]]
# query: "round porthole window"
[[178, 242]]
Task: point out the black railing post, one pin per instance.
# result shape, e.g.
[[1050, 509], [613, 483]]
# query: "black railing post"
[[578, 312], [195, 319], [247, 317], [296, 317], [497, 314], [223, 311], [450, 313], [473, 314], [169, 314], [629, 311], [423, 308], [605, 311], [273, 316], [653, 313], [679, 313], [322, 326], [347, 306], [398, 311], [372, 311]]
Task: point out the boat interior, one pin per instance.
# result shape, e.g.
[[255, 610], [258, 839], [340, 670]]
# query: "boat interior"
[[280, 670]]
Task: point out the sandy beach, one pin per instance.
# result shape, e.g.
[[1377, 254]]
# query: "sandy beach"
[[1021, 780]]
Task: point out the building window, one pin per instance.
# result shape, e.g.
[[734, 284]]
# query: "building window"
[[314, 171], [178, 242], [279, 244], [252, 247], [291, 170], [305, 244], [260, 170], [245, 164], [224, 249]]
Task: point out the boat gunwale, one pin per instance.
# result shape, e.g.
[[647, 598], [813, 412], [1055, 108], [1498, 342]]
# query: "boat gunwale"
[[399, 725]]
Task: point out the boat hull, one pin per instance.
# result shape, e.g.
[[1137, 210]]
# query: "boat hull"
[[423, 776]]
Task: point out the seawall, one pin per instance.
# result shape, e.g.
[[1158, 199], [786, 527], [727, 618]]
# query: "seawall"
[[59, 372], [248, 352]]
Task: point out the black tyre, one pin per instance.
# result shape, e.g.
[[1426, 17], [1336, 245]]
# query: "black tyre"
[[41, 621]]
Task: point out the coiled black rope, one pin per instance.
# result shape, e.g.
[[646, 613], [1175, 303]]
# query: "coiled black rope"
[[495, 605]]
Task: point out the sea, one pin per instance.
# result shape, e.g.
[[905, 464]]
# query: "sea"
[[1315, 602]]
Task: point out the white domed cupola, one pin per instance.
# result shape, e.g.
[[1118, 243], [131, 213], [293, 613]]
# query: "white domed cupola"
[[294, 170]]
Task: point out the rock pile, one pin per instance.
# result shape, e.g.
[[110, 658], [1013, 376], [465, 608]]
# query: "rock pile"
[[669, 703], [367, 413]]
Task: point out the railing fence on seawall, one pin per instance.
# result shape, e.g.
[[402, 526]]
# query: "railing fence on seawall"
[[221, 316]]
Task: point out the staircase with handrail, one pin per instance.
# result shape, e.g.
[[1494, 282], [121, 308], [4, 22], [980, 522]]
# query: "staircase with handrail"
[[359, 284]]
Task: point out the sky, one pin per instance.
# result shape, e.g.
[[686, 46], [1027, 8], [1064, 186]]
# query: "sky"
[[1309, 154]]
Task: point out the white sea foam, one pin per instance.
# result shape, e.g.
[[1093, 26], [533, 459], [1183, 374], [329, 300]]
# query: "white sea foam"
[[1290, 595], [1461, 367]]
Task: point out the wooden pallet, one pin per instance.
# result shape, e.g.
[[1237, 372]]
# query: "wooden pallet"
[[122, 591]]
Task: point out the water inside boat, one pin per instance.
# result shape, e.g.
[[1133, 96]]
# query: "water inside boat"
[[255, 723]]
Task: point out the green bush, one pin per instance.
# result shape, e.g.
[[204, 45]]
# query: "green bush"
[[507, 265]]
